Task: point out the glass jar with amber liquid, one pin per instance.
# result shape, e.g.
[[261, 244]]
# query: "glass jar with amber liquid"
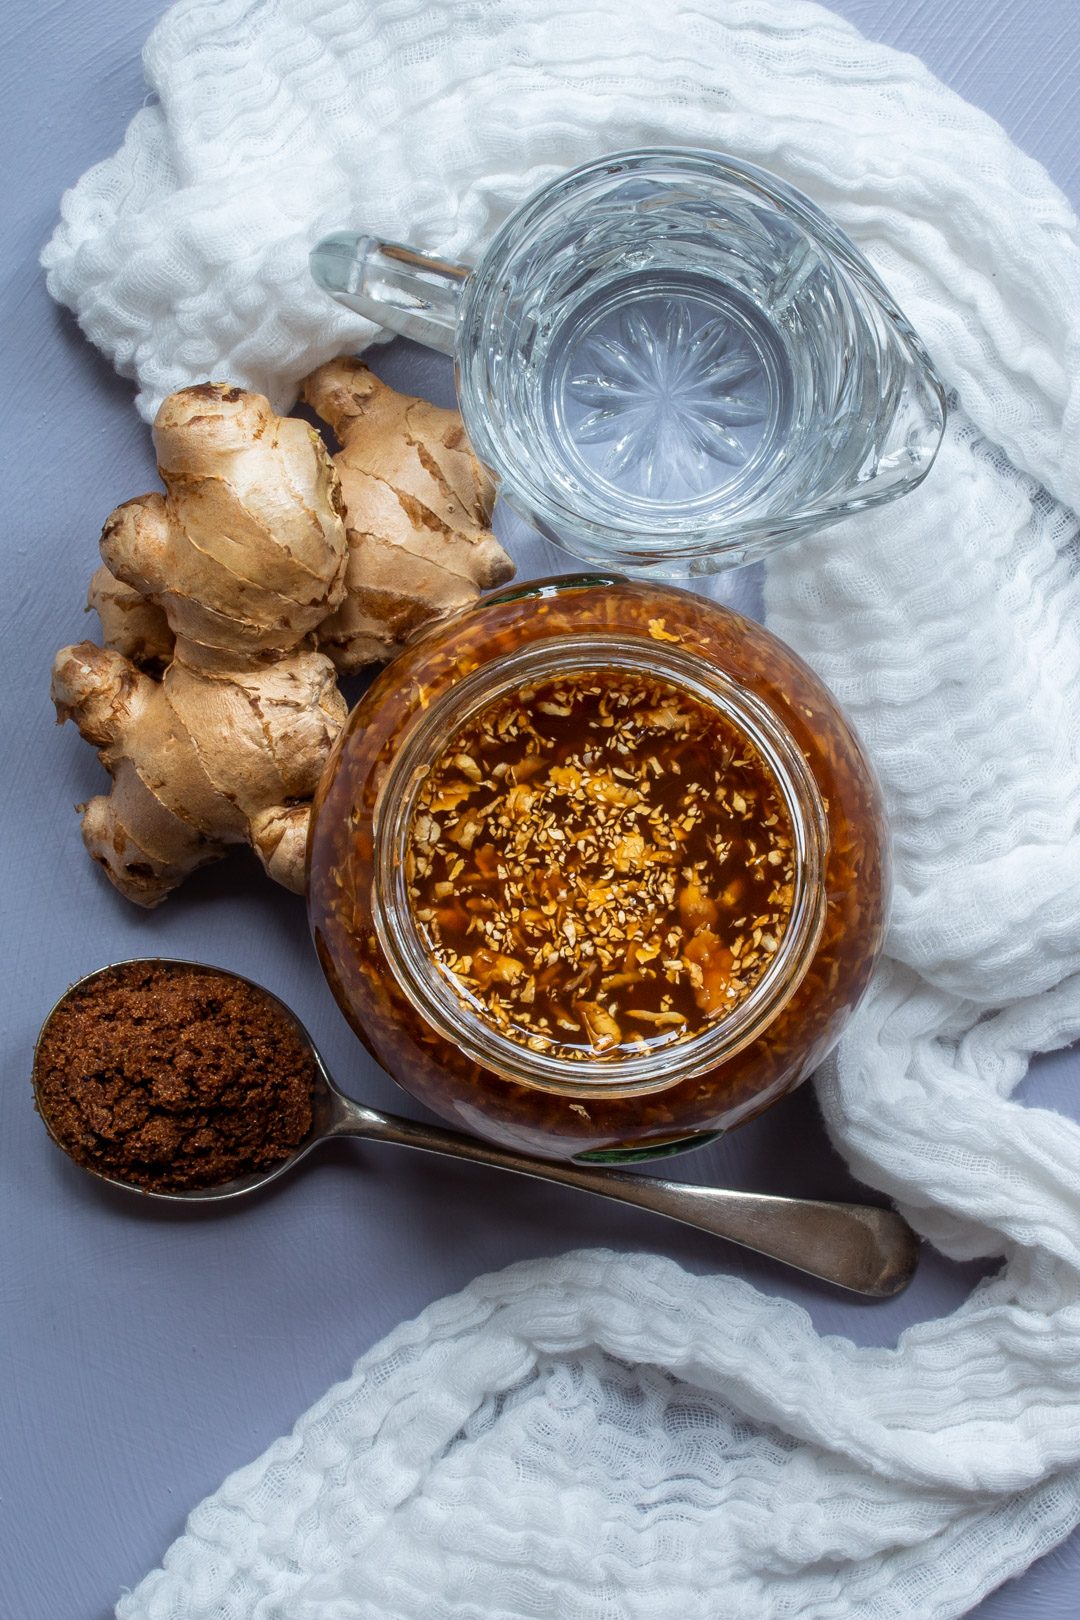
[[598, 869]]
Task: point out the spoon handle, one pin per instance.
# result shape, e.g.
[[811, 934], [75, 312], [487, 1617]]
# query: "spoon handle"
[[856, 1246]]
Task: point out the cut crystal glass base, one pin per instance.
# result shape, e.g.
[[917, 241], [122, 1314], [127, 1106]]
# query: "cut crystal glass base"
[[664, 396]]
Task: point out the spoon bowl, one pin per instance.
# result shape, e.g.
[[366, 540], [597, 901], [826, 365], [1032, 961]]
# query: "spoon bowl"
[[860, 1247]]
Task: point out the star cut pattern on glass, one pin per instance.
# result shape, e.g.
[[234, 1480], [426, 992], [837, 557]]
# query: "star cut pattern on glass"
[[665, 399]]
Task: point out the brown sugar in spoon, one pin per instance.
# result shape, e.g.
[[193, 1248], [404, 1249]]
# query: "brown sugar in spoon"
[[860, 1247]]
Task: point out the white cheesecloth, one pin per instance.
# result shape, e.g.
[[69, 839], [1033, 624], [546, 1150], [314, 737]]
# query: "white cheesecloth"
[[601, 1437]]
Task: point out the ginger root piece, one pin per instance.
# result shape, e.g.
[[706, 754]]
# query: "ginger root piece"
[[246, 551], [418, 505], [230, 572], [256, 549], [129, 623], [200, 759]]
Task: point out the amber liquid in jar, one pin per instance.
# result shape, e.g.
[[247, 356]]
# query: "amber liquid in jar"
[[600, 864], [598, 869]]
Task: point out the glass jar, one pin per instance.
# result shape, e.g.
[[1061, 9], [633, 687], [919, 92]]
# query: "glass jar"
[[633, 1104]]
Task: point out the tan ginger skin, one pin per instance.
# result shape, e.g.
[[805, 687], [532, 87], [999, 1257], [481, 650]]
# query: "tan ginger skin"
[[226, 582], [418, 507]]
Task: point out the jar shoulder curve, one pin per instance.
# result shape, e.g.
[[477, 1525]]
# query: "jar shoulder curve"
[[609, 606]]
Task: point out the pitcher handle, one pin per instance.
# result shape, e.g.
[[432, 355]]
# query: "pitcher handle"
[[392, 285]]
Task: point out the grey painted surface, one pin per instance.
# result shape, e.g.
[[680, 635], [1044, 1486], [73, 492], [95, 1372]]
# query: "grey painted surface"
[[144, 1355]]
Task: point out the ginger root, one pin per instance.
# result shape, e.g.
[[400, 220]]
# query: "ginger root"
[[201, 759], [246, 551], [260, 547], [418, 505], [223, 578], [130, 623]]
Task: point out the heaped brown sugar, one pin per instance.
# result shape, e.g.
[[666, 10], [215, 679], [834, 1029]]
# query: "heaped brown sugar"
[[600, 863], [169, 1076]]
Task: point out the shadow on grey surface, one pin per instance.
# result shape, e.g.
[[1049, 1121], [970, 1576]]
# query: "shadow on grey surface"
[[109, 387]]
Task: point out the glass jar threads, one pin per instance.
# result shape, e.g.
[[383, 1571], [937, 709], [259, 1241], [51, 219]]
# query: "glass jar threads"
[[598, 869]]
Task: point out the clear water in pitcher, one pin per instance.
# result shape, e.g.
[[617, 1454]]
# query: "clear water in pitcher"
[[666, 392], [675, 380]]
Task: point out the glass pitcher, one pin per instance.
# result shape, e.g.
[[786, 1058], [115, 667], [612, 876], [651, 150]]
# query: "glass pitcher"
[[671, 361]]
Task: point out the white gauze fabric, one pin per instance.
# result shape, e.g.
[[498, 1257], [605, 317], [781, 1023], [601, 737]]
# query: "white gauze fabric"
[[603, 1438]]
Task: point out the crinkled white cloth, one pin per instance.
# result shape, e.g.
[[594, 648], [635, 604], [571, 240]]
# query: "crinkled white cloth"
[[597, 1438]]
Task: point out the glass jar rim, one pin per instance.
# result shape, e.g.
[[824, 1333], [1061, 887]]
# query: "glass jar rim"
[[429, 991]]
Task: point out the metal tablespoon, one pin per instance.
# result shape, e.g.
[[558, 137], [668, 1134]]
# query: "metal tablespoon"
[[856, 1246]]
